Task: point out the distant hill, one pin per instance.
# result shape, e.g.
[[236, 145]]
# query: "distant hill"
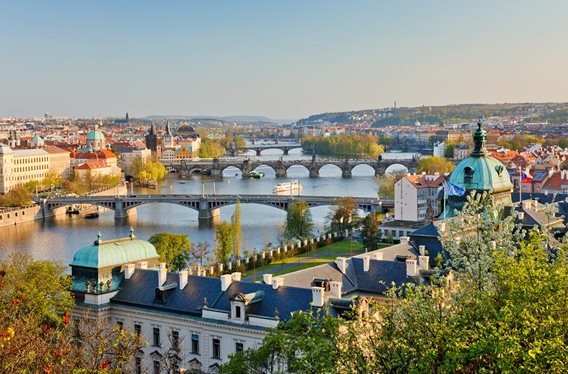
[[228, 119], [554, 113]]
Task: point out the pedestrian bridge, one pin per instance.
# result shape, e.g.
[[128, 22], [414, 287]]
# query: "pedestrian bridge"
[[207, 205]]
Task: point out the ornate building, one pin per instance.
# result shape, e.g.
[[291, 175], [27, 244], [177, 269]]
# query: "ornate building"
[[480, 172]]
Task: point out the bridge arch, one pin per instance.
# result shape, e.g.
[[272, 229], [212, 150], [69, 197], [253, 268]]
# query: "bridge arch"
[[333, 170], [264, 167], [297, 171], [231, 169], [396, 168], [281, 151], [363, 169]]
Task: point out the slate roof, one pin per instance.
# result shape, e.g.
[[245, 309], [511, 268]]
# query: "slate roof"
[[283, 300], [380, 276], [140, 291]]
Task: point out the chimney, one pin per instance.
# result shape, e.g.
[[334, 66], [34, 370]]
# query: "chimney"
[[335, 289], [236, 276], [404, 239], [267, 278], [162, 273], [317, 296], [128, 270], [277, 282], [377, 256], [521, 215], [183, 278], [411, 268], [423, 262], [226, 280], [422, 250], [366, 261], [142, 265], [341, 264]]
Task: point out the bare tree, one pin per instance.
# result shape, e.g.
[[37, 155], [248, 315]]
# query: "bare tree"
[[199, 251]]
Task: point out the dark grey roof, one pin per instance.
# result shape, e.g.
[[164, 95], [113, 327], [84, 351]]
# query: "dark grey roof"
[[140, 291], [283, 300], [381, 275], [429, 230]]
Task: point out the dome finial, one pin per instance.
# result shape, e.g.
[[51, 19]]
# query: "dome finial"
[[99, 240], [479, 139], [132, 233]]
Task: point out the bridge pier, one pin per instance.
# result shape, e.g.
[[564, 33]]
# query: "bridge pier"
[[286, 151], [314, 172], [258, 150], [346, 172], [280, 172], [208, 217]]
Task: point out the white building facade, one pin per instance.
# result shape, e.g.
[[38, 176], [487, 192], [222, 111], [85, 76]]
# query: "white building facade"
[[415, 197]]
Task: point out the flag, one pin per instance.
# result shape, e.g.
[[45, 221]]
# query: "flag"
[[453, 190], [525, 177]]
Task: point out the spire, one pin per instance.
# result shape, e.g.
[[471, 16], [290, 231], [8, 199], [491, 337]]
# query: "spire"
[[168, 132], [479, 139], [152, 131]]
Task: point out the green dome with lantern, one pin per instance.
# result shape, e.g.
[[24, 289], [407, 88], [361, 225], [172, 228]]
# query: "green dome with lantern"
[[479, 172]]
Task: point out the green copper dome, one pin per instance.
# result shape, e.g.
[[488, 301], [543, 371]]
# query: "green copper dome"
[[114, 253], [482, 173], [95, 135]]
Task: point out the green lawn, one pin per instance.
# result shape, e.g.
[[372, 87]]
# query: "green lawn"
[[319, 256]]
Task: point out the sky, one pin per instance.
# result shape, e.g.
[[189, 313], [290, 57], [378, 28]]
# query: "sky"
[[281, 59]]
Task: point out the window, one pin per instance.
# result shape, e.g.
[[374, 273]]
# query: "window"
[[216, 348], [119, 324], [468, 175], [156, 336], [175, 340], [138, 365], [239, 347], [157, 367], [138, 330], [237, 312], [195, 344]]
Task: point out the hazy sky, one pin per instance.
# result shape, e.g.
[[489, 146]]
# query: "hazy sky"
[[282, 59]]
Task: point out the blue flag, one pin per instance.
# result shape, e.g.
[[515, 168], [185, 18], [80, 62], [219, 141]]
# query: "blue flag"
[[453, 190]]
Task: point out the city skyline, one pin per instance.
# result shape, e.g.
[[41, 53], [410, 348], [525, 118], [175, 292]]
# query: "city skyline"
[[279, 60]]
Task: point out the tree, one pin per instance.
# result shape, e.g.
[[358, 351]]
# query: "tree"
[[344, 211], [36, 333], [236, 229], [174, 249], [18, 196], [299, 224], [200, 251], [435, 164], [344, 145], [224, 241], [386, 185], [370, 232]]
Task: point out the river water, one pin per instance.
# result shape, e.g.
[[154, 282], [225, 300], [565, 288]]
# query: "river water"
[[58, 238]]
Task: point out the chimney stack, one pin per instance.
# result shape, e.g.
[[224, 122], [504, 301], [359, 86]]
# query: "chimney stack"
[[422, 250], [411, 268], [366, 262], [424, 262], [341, 263], [267, 278], [128, 270], [183, 278], [317, 296], [142, 265], [162, 273], [335, 289], [277, 282], [236, 276], [226, 280]]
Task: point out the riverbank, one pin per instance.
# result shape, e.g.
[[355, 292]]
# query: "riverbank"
[[19, 215]]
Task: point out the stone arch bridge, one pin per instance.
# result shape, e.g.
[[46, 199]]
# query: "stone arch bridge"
[[216, 166], [286, 148], [207, 205]]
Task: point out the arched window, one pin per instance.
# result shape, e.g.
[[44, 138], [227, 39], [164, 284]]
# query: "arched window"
[[468, 175]]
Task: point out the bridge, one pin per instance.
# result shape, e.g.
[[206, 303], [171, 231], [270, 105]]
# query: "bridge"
[[286, 148], [215, 167], [207, 206]]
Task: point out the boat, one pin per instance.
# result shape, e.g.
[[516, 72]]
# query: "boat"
[[256, 174], [151, 184], [73, 209], [92, 215], [287, 186]]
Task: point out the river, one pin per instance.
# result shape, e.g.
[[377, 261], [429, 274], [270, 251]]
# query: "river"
[[58, 238]]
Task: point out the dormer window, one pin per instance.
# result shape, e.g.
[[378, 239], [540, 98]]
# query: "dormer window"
[[237, 311], [468, 175]]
